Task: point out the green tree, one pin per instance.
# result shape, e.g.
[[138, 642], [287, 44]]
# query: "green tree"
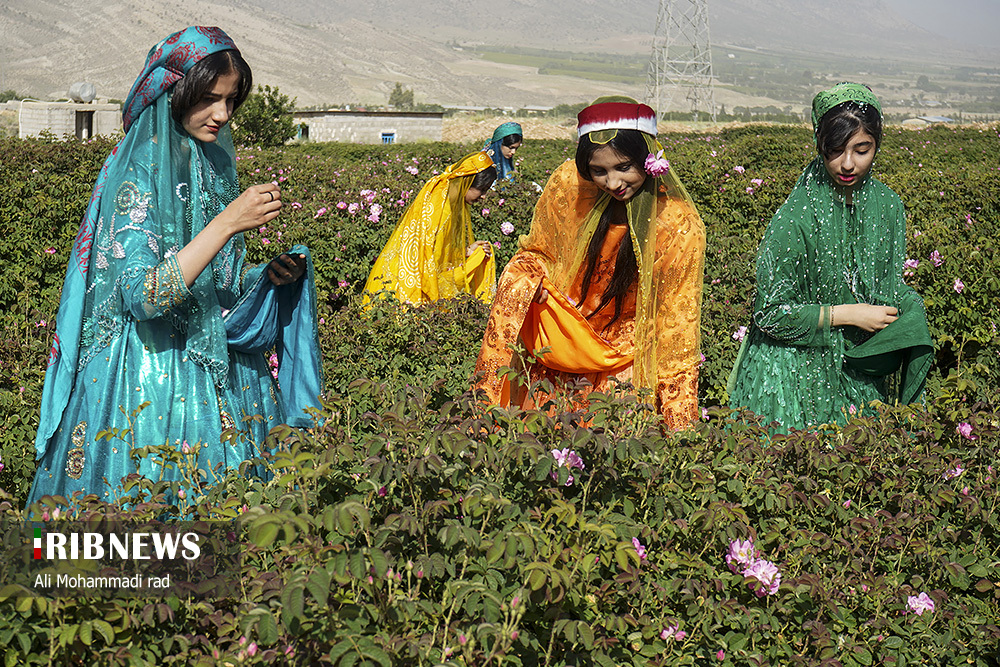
[[265, 119], [8, 95], [401, 98]]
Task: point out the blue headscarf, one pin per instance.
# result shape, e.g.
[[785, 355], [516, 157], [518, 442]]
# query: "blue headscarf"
[[157, 168], [505, 167]]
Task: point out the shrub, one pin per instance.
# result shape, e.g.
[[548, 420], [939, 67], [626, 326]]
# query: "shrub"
[[264, 119], [453, 535], [406, 473]]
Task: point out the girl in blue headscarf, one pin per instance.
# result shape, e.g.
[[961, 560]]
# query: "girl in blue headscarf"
[[144, 343], [501, 148]]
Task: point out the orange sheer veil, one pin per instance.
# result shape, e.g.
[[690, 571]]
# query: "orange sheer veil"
[[564, 251]]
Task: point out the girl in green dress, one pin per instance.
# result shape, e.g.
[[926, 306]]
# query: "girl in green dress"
[[834, 326]]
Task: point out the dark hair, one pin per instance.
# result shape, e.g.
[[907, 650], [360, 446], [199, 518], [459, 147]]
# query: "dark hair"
[[193, 86], [840, 123], [484, 179], [629, 143], [626, 268], [511, 139], [632, 145]]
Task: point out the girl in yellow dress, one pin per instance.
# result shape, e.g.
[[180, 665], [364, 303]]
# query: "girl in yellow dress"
[[432, 254]]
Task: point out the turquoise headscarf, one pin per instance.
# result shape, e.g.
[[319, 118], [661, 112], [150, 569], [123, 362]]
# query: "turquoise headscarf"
[[505, 167], [186, 185]]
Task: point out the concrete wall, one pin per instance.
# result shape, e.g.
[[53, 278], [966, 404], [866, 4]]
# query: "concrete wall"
[[368, 127], [60, 118]]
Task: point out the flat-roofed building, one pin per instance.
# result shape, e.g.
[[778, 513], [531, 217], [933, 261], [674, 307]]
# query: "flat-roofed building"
[[78, 119], [369, 127]]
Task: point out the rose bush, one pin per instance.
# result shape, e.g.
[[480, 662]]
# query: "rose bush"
[[416, 523]]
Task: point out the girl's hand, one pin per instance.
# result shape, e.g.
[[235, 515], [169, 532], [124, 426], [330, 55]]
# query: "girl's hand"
[[485, 245], [257, 206], [286, 269], [541, 295], [864, 316]]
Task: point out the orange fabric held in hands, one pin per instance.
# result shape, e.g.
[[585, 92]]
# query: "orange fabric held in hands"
[[574, 346], [551, 251]]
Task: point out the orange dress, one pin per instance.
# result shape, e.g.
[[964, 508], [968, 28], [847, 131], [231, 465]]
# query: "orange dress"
[[590, 349]]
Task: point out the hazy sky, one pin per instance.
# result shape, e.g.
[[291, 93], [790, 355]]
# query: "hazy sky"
[[975, 21]]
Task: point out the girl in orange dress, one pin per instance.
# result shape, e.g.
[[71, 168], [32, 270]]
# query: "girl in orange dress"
[[607, 284]]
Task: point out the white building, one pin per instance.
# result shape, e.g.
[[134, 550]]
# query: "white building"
[[369, 127], [78, 119]]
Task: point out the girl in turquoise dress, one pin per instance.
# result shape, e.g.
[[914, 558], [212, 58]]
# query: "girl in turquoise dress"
[[163, 326], [834, 327]]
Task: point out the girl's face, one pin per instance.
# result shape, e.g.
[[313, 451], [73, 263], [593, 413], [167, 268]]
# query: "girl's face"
[[615, 173], [210, 114], [848, 165], [508, 151], [473, 195]]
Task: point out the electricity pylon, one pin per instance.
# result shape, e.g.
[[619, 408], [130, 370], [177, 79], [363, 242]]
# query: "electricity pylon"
[[681, 62]]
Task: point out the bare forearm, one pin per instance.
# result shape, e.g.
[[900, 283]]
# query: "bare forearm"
[[258, 205], [863, 315], [196, 255]]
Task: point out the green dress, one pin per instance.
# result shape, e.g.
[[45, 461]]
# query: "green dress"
[[818, 252]]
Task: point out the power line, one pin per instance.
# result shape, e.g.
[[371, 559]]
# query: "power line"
[[680, 66]]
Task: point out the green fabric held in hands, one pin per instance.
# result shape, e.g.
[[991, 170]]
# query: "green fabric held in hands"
[[905, 345]]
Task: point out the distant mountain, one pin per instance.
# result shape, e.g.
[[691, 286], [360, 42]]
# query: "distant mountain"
[[337, 51]]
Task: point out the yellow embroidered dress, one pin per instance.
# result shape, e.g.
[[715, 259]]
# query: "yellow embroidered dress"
[[424, 259]]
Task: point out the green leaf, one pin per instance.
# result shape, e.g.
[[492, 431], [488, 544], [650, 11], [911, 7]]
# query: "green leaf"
[[380, 562], [267, 629], [357, 565], [378, 655], [292, 604], [263, 533], [862, 655], [105, 630], [338, 651], [85, 634], [318, 585]]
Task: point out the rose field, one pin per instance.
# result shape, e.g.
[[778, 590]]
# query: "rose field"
[[414, 525]]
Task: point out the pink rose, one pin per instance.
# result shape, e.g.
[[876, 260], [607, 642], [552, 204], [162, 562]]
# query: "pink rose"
[[656, 165], [918, 604]]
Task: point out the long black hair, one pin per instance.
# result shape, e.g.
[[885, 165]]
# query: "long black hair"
[[199, 79], [632, 145], [840, 123]]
